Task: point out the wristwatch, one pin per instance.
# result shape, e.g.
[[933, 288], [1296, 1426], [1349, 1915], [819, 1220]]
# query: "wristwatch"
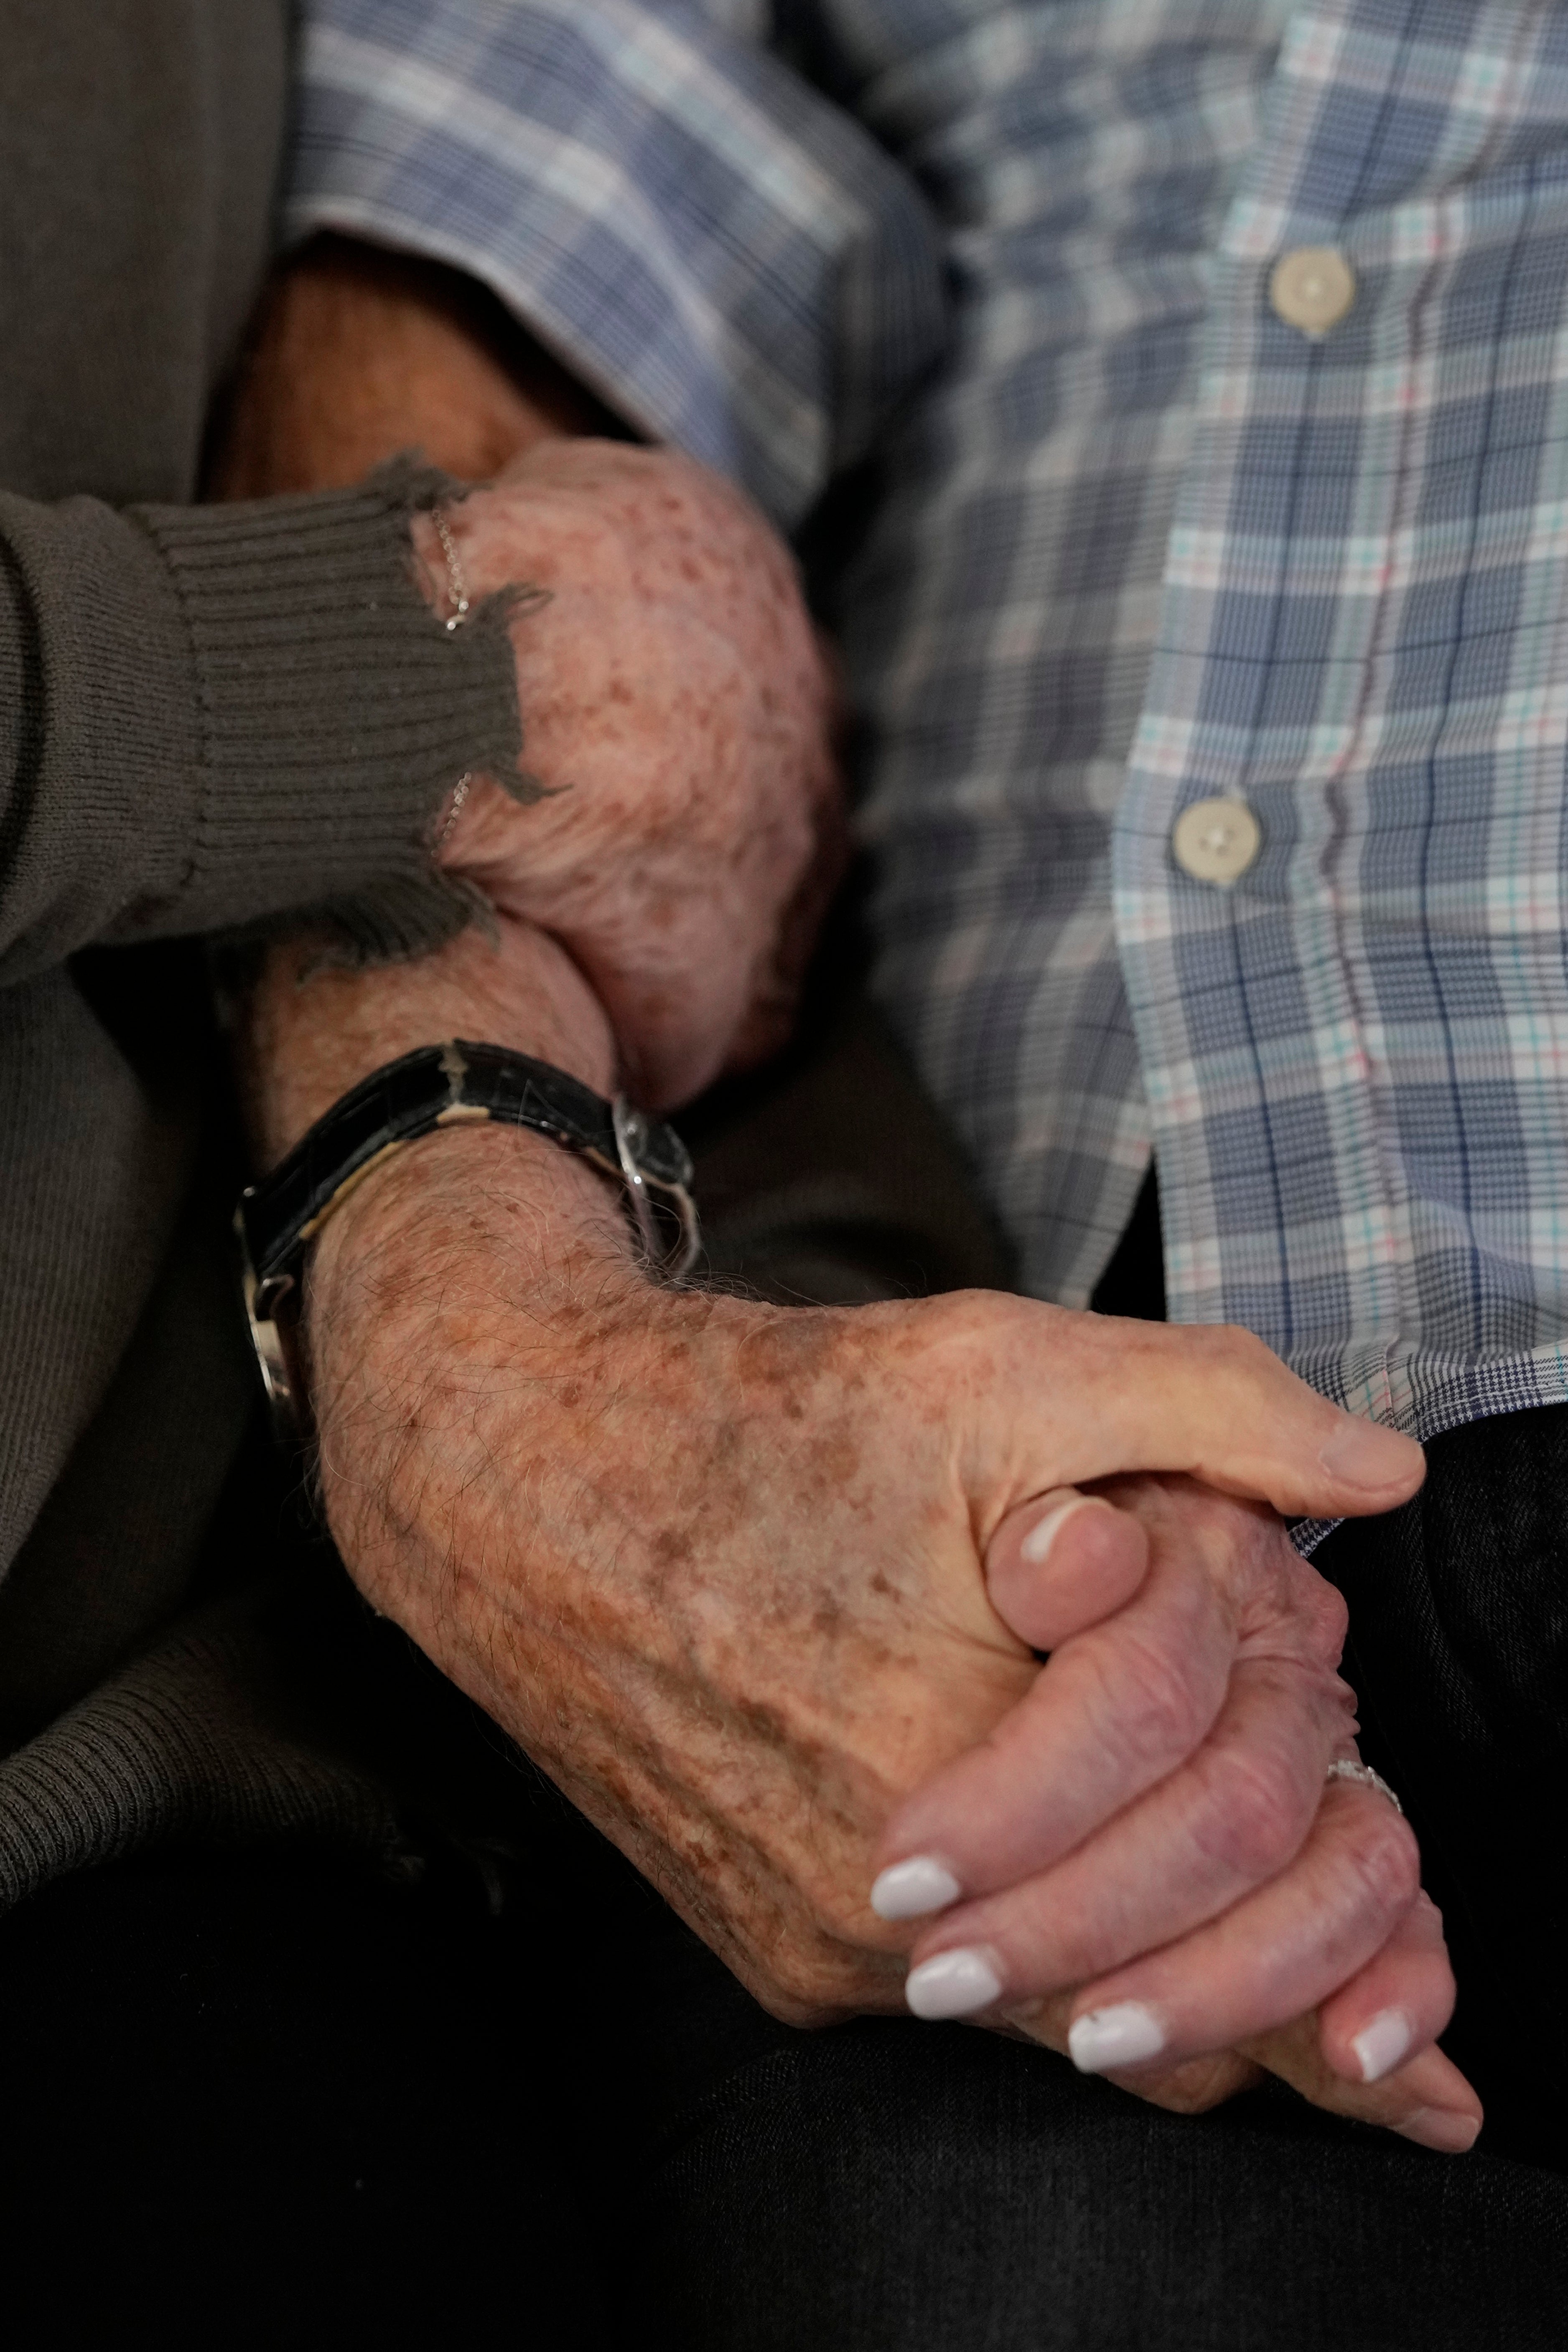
[[451, 1085]]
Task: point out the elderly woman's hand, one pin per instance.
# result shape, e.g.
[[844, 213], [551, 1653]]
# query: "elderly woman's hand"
[[677, 708], [676, 702], [1153, 1869]]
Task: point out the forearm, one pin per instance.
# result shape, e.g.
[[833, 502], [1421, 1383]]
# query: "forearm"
[[310, 1031], [726, 251], [405, 1278], [359, 354], [459, 1311]]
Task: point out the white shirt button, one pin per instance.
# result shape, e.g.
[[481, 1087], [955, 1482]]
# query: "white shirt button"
[[1215, 841], [1312, 288]]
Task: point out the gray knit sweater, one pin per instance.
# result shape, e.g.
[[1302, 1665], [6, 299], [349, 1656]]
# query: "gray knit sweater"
[[210, 718]]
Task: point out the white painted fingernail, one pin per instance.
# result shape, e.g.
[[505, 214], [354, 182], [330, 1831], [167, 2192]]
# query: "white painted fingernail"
[[908, 1890], [1036, 1545], [1119, 2036], [1383, 2043], [953, 1984]]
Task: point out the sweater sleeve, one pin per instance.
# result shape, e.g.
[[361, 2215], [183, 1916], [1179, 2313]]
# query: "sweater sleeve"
[[722, 253], [211, 717]]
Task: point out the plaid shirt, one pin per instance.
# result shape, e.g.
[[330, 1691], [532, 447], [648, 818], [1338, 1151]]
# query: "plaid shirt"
[[1139, 542]]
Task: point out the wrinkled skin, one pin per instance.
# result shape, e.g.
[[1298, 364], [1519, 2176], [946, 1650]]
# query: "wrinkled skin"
[[714, 1564], [1150, 1824], [676, 709], [720, 1568], [673, 695]]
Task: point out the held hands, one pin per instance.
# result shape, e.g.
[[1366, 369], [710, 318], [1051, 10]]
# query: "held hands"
[[1137, 1857], [677, 708], [716, 1565], [1142, 1863]]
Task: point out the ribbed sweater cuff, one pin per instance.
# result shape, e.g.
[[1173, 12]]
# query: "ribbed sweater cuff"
[[334, 710]]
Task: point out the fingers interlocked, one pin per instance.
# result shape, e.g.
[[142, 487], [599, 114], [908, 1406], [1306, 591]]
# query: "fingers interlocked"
[[1151, 1825]]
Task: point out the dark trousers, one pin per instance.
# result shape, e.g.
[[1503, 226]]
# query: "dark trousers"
[[269, 2099], [254, 2099], [1459, 1652]]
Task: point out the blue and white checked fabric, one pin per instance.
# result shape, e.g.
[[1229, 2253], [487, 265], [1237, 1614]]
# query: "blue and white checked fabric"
[[1139, 542]]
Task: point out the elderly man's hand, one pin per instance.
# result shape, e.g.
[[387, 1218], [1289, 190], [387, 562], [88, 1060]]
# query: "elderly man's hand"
[[678, 709], [718, 1566]]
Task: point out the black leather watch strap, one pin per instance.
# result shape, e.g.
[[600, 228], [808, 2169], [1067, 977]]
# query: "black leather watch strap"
[[450, 1085]]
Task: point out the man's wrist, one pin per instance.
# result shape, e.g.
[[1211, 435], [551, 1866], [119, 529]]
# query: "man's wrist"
[[311, 1031], [476, 1211], [481, 1266], [465, 1226], [311, 1035]]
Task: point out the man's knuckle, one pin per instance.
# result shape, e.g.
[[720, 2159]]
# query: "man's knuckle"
[[1155, 1713], [1245, 1346], [1262, 1814], [1387, 1861], [1328, 1617]]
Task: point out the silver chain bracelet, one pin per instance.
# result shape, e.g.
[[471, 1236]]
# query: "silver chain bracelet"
[[458, 584], [453, 621], [460, 791]]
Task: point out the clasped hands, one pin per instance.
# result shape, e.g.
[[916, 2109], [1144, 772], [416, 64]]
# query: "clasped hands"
[[765, 1590]]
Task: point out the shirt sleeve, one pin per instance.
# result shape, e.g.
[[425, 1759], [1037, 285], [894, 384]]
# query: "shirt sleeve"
[[711, 244]]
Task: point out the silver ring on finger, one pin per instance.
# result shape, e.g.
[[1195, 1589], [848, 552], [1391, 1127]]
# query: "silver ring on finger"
[[1351, 1768]]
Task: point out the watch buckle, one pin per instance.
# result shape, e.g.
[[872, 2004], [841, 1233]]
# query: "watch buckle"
[[269, 1336], [669, 1263]]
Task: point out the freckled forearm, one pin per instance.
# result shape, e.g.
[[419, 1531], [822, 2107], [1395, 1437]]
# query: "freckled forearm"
[[310, 1031], [465, 1214], [485, 1254], [449, 1308], [357, 354]]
